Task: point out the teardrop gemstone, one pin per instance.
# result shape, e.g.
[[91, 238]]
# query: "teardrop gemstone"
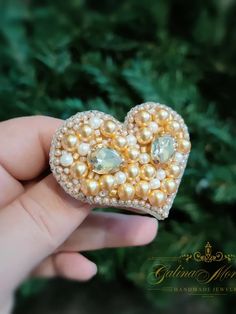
[[105, 160], [163, 148]]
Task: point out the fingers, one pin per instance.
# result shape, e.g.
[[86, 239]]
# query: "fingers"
[[25, 145], [104, 230], [69, 265], [33, 226]]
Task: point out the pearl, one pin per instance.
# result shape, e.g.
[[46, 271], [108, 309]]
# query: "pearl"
[[85, 132], [154, 184], [174, 170], [144, 158], [131, 140], [157, 198], [126, 192], [120, 177], [133, 170], [173, 126], [162, 115], [147, 172], [184, 146], [108, 128], [144, 136], [79, 170], [169, 186], [107, 182], [161, 174], [119, 142], [153, 126], [142, 118], [69, 142], [142, 189], [66, 159], [90, 187], [178, 157], [83, 149], [132, 154], [95, 122]]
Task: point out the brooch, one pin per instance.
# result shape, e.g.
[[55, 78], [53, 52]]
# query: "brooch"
[[136, 165]]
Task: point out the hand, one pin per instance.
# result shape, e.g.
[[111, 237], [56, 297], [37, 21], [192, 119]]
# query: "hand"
[[42, 229]]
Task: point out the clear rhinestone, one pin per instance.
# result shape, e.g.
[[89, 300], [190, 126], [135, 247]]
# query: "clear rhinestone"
[[105, 160], [163, 148]]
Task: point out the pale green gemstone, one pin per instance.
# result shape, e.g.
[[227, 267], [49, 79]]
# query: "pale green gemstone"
[[163, 148], [105, 160]]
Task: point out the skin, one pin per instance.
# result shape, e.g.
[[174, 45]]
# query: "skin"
[[42, 229]]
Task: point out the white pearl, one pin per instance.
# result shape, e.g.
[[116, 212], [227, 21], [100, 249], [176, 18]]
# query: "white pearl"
[[161, 174], [120, 177], [95, 122], [178, 157], [154, 184], [83, 149], [153, 126], [131, 139], [144, 158], [66, 159]]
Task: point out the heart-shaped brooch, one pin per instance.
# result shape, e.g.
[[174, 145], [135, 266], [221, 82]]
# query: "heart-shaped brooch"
[[136, 165]]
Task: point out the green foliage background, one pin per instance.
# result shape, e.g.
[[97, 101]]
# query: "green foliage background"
[[60, 57]]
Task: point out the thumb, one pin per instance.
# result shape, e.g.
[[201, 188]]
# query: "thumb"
[[32, 227]]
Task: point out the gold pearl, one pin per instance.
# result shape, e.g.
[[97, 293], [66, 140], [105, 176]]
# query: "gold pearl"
[[132, 171], [162, 115], [173, 127], [142, 117], [169, 186], [120, 142], [132, 154], [107, 182], [144, 136], [79, 170], [126, 192], [157, 198], [184, 146], [142, 189], [69, 142], [173, 171], [147, 172], [90, 187], [108, 128], [85, 132]]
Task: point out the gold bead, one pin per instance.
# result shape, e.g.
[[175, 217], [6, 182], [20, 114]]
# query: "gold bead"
[[69, 142], [85, 132], [132, 171], [119, 142], [157, 198], [162, 115], [173, 127], [184, 146], [173, 170], [113, 193], [126, 192], [144, 136], [107, 182], [142, 118], [142, 189], [169, 186], [79, 170], [108, 128], [90, 187], [147, 172], [132, 154]]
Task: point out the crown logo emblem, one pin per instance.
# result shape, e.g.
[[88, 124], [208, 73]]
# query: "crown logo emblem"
[[208, 256]]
